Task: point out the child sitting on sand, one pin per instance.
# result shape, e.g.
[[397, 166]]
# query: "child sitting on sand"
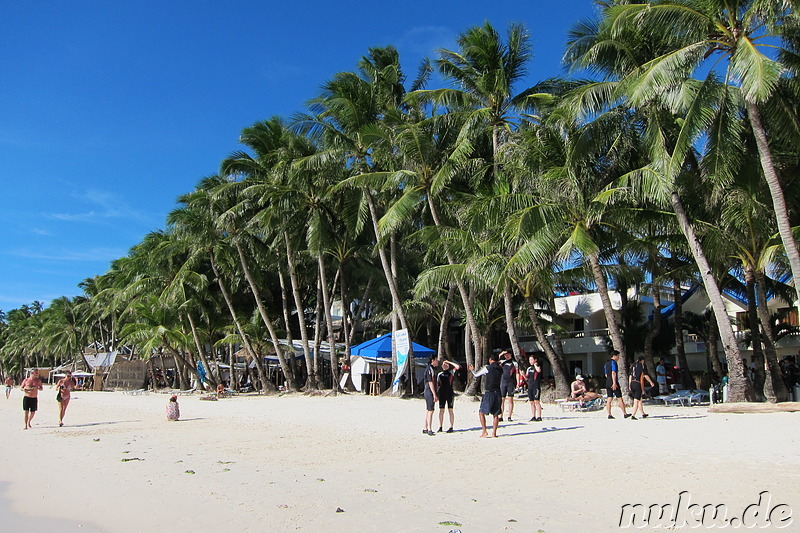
[[173, 409]]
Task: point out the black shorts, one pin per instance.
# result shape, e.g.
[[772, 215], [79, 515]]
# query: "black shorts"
[[636, 390], [30, 404], [612, 393], [534, 393], [492, 403], [447, 399], [507, 389], [429, 403]]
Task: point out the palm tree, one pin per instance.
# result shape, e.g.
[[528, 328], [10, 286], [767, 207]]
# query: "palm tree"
[[703, 38]]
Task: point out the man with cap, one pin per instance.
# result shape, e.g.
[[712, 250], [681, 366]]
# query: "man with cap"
[[578, 388]]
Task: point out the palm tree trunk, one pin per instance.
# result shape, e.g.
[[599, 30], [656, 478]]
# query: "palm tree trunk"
[[776, 191], [653, 331], [262, 376], [611, 318], [326, 302], [473, 328], [287, 372], [772, 369], [511, 329], [345, 330], [556, 359], [201, 352], [443, 347], [737, 384], [755, 334], [311, 368], [291, 360], [317, 333], [713, 352], [686, 377]]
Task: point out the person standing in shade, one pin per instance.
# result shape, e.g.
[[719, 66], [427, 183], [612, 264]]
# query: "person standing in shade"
[[534, 374], [636, 381], [30, 402], [429, 382], [65, 386], [444, 389], [508, 383], [9, 382], [661, 377], [612, 385], [491, 403]]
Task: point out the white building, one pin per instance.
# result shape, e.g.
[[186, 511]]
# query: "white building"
[[585, 322]]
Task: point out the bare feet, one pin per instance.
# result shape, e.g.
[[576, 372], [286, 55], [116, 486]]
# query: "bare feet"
[[484, 434]]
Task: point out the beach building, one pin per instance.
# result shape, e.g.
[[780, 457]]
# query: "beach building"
[[585, 336]]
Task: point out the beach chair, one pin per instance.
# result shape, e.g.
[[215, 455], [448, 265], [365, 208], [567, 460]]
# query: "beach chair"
[[568, 405], [592, 405], [678, 398]]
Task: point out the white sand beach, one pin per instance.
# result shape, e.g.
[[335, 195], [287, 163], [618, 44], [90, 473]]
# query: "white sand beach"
[[288, 463]]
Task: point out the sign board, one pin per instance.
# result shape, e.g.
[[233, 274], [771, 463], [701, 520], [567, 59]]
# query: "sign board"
[[402, 346]]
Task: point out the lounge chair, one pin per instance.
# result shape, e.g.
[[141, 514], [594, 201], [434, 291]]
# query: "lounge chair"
[[592, 405]]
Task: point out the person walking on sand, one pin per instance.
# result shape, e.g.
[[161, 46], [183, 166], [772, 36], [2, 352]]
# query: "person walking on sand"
[[444, 389], [534, 374], [429, 382], [30, 402], [611, 371], [636, 381], [9, 385], [508, 384], [491, 403], [65, 386]]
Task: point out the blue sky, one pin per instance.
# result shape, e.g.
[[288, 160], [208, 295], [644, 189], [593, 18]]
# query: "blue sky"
[[110, 110]]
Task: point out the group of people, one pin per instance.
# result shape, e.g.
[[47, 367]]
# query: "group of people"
[[501, 383], [31, 386]]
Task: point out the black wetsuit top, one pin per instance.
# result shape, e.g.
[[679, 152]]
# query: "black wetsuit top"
[[534, 378], [429, 378], [508, 369], [638, 370], [493, 377], [444, 383]]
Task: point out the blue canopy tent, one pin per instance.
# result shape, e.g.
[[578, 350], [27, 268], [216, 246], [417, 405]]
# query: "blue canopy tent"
[[382, 347], [376, 353]]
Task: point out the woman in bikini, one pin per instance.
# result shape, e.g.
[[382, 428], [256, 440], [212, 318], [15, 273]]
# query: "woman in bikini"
[[65, 386]]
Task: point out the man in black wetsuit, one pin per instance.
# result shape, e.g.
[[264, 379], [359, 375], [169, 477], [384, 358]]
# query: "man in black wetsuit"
[[636, 381], [491, 404], [508, 383], [534, 374], [444, 389], [430, 394], [611, 370]]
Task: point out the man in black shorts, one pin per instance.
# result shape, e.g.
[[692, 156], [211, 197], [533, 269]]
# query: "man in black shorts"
[[612, 384], [636, 381], [30, 402], [491, 404], [534, 374], [430, 394], [508, 384], [444, 388]]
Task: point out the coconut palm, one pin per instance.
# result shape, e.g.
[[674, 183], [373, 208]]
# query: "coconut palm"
[[704, 38]]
